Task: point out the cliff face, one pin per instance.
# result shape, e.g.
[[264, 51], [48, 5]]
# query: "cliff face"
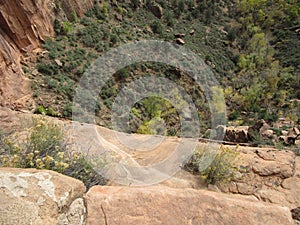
[[14, 88], [23, 25]]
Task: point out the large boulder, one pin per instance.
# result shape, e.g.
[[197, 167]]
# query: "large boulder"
[[30, 196], [260, 128], [238, 134], [163, 205], [156, 9]]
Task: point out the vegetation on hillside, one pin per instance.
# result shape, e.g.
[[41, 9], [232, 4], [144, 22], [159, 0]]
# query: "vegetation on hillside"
[[267, 71], [251, 46]]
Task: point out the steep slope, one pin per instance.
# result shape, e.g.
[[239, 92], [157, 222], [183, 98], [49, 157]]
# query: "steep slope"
[[24, 25]]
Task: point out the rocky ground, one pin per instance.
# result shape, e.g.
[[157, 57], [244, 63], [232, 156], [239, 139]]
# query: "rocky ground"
[[269, 186], [266, 191]]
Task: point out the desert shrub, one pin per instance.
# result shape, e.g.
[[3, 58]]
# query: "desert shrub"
[[67, 111], [47, 69], [190, 3], [180, 8], [156, 27], [97, 12], [40, 110], [49, 111], [154, 126], [113, 39], [135, 4], [55, 51], [232, 33], [108, 103], [108, 92], [74, 16], [65, 86], [76, 54], [122, 74], [233, 115], [57, 26], [9, 152], [169, 17], [258, 140], [172, 132], [91, 35], [41, 149], [268, 116], [221, 170], [85, 21], [67, 27], [45, 147]]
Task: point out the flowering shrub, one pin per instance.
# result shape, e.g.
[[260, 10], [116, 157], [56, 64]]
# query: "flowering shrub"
[[45, 148], [222, 168]]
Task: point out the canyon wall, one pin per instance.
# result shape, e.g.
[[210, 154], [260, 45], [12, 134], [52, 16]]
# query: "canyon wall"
[[24, 25]]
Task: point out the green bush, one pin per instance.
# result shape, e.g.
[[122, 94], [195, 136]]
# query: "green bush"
[[268, 116], [74, 16], [47, 69], [41, 149], [169, 17], [233, 116], [122, 74], [67, 111], [135, 4], [258, 140], [67, 27], [51, 112], [57, 26], [232, 34], [54, 47], [221, 170], [108, 103], [156, 27], [40, 110], [97, 12], [113, 40], [180, 8], [91, 35]]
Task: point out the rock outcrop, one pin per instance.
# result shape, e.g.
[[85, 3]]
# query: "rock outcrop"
[[163, 205], [258, 129], [14, 87], [269, 174], [266, 175], [41, 197], [236, 134], [24, 24], [156, 9], [259, 132]]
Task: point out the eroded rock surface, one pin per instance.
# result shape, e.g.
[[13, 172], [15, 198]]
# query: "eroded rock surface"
[[269, 174], [163, 205], [30, 196], [266, 174]]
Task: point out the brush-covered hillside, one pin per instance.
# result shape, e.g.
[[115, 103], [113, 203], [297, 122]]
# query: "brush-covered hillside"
[[252, 47]]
